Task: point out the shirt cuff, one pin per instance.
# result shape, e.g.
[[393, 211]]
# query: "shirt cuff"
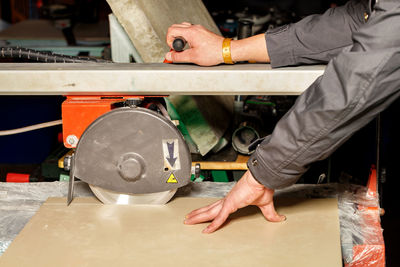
[[279, 46], [265, 175]]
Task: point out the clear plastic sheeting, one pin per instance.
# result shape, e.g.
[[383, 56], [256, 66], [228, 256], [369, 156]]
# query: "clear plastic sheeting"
[[20, 201], [361, 234]]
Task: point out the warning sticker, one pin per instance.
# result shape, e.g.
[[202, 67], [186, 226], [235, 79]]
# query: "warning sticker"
[[171, 154], [172, 179]]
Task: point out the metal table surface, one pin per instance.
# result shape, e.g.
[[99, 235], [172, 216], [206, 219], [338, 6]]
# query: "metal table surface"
[[153, 79]]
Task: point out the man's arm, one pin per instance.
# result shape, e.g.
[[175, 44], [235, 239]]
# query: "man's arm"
[[358, 84], [316, 38]]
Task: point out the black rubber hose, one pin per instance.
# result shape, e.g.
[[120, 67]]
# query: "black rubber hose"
[[40, 56]]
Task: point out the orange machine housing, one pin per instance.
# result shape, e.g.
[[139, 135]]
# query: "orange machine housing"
[[78, 112]]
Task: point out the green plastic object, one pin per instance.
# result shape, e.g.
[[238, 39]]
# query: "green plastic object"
[[172, 112], [204, 119], [64, 177], [220, 176], [197, 180]]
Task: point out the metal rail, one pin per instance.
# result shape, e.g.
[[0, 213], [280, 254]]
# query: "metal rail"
[[153, 79]]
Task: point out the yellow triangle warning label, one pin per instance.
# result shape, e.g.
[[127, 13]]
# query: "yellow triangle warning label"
[[172, 179]]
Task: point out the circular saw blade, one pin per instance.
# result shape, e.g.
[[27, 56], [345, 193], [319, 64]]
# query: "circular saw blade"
[[110, 197]]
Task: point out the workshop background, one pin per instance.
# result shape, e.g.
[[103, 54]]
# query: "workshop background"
[[80, 28]]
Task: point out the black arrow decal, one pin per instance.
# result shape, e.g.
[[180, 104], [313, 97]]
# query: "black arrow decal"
[[171, 158]]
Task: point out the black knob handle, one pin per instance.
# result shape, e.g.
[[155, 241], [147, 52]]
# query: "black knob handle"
[[178, 44]]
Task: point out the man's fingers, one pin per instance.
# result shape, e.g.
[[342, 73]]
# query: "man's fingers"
[[203, 209], [270, 213], [204, 216], [218, 221], [177, 30], [182, 25], [184, 56]]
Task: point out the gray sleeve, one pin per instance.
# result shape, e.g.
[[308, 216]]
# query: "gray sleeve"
[[357, 84], [316, 38]]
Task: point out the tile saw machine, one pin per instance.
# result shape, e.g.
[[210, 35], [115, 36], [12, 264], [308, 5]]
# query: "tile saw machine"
[[126, 148]]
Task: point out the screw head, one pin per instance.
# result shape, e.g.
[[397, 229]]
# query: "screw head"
[[72, 140]]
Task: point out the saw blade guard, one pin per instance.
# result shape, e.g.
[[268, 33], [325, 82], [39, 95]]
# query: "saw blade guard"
[[133, 151]]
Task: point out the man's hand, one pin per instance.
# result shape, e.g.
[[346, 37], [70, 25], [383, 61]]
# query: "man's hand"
[[246, 192], [205, 47]]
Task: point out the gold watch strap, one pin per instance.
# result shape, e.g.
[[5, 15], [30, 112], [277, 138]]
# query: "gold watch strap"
[[226, 51]]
